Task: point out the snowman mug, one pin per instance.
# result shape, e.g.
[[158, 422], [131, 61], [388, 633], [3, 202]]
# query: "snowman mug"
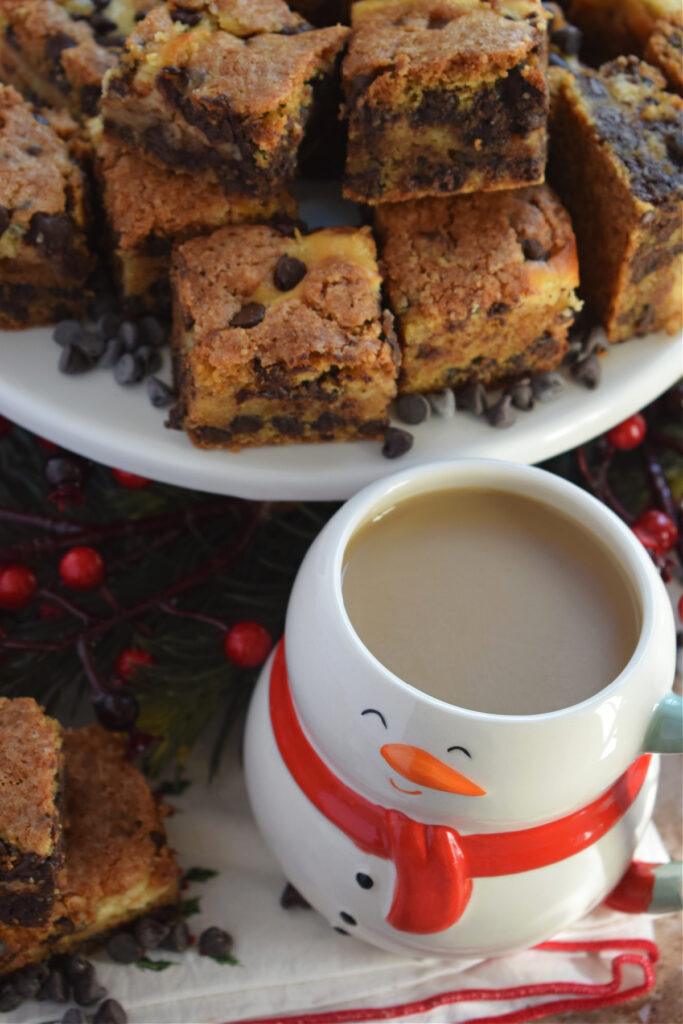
[[560, 799]]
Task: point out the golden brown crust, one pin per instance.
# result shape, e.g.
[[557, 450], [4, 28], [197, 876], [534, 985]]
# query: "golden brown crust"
[[665, 50], [116, 858]]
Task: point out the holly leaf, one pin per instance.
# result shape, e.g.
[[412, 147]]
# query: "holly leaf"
[[231, 961], [145, 964], [199, 874], [189, 907], [174, 787]]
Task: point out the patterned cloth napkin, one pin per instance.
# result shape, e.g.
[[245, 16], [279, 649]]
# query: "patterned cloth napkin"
[[291, 965]]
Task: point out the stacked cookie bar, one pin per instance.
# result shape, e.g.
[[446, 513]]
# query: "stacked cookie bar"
[[82, 841]]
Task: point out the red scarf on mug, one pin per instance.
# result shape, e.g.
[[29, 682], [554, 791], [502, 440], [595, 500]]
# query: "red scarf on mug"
[[434, 864]]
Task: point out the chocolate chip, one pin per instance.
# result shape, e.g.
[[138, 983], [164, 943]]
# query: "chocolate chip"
[[5, 218], [568, 39], [128, 333], [442, 403], [68, 332], [91, 345], [290, 426], [110, 1012], [215, 942], [178, 938], [186, 17], [54, 988], [533, 250], [522, 395], [128, 370], [107, 324], [246, 424], [50, 232], [87, 989], [473, 398], [500, 414], [113, 350], [291, 897], [101, 303], [29, 980], [412, 409], [396, 442], [150, 358], [74, 965], [124, 948], [159, 394], [546, 386], [73, 360], [153, 331], [342, 931], [364, 881], [249, 315], [73, 1016], [288, 226], [150, 933], [288, 272], [587, 372], [9, 998], [56, 44], [346, 918]]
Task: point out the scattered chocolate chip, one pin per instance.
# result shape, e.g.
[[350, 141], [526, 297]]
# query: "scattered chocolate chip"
[[9, 998], [568, 38], [473, 398], [91, 345], [73, 1016], [346, 918], [4, 219], [587, 372], [113, 350], [364, 881], [178, 938], [87, 989], [291, 897], [500, 414], [29, 980], [215, 942], [73, 965], [150, 933], [50, 232], [442, 403], [342, 931], [150, 358], [288, 226], [54, 988], [412, 409], [110, 1012], [67, 332], [128, 370], [250, 315], [546, 386], [396, 442], [288, 272], [107, 324], [116, 711], [153, 331], [56, 44], [128, 333], [73, 360], [124, 948], [160, 394], [533, 250], [522, 395]]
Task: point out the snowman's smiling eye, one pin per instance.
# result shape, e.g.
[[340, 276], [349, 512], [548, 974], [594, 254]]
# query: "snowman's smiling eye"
[[464, 750], [372, 711]]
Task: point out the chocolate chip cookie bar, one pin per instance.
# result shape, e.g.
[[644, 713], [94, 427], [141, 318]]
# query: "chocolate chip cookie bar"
[[444, 96], [664, 49], [31, 769], [221, 88], [481, 286], [150, 208], [617, 162], [280, 339], [44, 257], [51, 55], [117, 861], [619, 27]]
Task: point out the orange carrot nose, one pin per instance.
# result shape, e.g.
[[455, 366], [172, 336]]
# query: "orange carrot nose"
[[423, 769]]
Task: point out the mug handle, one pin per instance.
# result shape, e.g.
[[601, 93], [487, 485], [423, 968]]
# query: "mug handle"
[[655, 888]]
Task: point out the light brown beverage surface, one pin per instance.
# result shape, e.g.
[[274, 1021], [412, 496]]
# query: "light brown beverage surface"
[[490, 601]]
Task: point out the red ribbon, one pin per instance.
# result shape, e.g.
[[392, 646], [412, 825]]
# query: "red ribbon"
[[434, 864]]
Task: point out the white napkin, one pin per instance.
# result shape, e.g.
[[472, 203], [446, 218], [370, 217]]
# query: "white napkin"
[[291, 964]]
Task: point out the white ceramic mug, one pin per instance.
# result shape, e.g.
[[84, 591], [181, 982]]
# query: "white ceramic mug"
[[567, 795]]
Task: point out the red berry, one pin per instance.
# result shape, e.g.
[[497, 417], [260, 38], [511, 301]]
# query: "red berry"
[[17, 587], [628, 434], [130, 480], [130, 659], [656, 531], [680, 608], [82, 568], [5, 427], [248, 644]]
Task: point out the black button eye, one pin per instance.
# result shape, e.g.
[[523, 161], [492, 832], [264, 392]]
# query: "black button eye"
[[364, 881], [464, 750], [372, 711]]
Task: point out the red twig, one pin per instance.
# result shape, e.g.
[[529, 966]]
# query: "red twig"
[[179, 613], [69, 606]]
